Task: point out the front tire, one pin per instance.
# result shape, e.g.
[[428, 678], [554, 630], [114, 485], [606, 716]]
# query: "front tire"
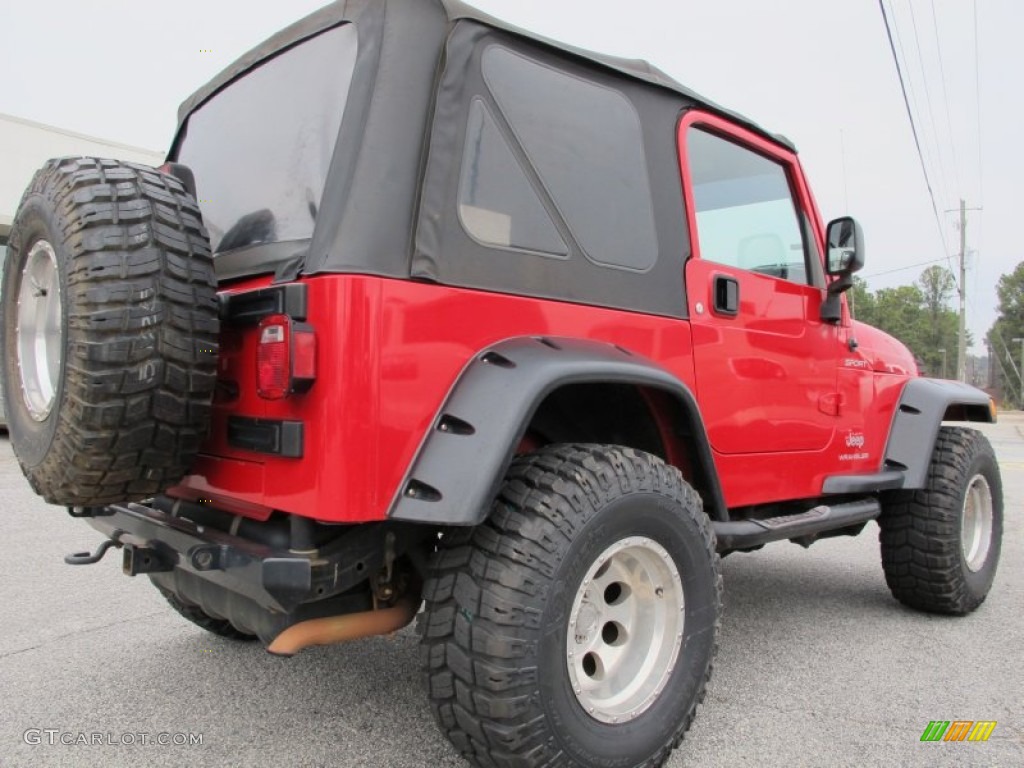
[[941, 544], [578, 624]]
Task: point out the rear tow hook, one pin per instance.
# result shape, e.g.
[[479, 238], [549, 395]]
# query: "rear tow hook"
[[88, 558]]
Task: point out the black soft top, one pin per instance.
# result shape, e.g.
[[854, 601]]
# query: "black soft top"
[[452, 10], [392, 188]]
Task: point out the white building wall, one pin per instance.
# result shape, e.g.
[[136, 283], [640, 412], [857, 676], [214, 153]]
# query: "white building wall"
[[25, 146]]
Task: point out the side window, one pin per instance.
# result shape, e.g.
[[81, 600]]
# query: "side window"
[[555, 165], [746, 216], [586, 144], [497, 205]]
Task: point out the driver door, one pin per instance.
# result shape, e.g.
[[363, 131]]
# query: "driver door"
[[766, 364]]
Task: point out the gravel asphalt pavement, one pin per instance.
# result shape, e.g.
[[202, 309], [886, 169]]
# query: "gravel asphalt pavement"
[[817, 665]]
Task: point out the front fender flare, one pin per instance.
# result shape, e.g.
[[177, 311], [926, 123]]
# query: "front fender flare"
[[466, 453], [924, 404]]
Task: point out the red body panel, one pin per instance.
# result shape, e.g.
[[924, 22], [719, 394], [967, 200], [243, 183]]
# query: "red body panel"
[[389, 352], [388, 360], [778, 388]]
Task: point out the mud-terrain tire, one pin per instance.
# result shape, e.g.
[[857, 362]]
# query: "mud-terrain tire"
[[940, 544], [611, 539], [109, 324], [199, 617]]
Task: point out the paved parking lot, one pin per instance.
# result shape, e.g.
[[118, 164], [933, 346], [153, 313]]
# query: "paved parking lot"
[[818, 665]]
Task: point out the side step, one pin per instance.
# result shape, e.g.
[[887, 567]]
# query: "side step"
[[744, 534]]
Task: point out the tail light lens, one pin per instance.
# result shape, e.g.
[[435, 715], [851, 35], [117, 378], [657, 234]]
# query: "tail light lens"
[[285, 357], [182, 173]]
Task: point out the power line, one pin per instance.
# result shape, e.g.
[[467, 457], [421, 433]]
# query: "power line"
[[904, 269], [846, 185], [904, 58], [979, 239], [977, 111], [913, 128], [945, 98], [930, 115]]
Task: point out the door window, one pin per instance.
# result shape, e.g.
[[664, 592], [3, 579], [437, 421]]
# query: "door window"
[[746, 217]]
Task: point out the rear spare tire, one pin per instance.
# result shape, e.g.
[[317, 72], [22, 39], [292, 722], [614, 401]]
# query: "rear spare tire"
[[109, 324]]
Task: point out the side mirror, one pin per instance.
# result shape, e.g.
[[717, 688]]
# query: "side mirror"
[[845, 256], [845, 246]]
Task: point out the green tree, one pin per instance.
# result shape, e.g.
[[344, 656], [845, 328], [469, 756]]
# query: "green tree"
[[862, 301], [1009, 325], [938, 287], [899, 312], [919, 315]]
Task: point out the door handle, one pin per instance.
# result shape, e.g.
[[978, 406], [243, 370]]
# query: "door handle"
[[727, 296]]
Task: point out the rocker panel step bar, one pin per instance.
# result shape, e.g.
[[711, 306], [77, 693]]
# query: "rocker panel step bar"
[[743, 534]]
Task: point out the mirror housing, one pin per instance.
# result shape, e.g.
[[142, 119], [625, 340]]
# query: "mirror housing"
[[845, 247], [845, 241]]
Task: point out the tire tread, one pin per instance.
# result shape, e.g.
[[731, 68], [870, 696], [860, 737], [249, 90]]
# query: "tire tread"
[[481, 673], [142, 331], [919, 530]]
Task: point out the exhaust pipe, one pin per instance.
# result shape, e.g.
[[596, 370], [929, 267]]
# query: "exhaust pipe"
[[338, 629]]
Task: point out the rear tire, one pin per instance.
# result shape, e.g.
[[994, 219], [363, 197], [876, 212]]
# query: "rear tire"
[[539, 623], [110, 323], [941, 544]]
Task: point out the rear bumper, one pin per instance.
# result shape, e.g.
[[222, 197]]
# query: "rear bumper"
[[277, 580]]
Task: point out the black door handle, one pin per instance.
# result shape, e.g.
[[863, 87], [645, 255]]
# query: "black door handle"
[[727, 296]]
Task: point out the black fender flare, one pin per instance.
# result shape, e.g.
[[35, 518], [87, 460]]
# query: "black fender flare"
[[466, 453], [923, 406]]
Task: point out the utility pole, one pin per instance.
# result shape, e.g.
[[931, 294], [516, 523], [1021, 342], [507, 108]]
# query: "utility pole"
[[961, 350], [1021, 370], [991, 367]]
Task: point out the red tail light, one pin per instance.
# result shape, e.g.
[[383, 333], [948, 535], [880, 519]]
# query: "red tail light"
[[285, 357], [182, 173]]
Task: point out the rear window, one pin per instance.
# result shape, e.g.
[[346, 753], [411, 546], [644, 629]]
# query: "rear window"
[[260, 148]]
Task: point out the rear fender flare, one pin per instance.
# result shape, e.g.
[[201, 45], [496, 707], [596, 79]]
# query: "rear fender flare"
[[467, 451]]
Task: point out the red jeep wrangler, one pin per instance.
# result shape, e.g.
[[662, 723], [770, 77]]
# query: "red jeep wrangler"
[[424, 310]]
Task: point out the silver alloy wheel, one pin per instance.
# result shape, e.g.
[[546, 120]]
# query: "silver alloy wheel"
[[976, 523], [39, 338], [625, 630]]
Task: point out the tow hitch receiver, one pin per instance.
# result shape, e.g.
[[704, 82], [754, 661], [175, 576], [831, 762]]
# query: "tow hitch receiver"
[[139, 560]]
